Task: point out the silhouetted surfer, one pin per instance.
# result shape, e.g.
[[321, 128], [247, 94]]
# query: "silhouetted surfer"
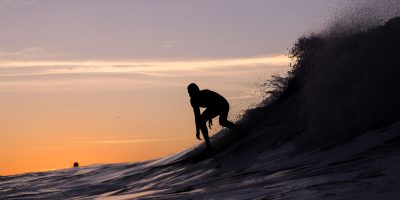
[[215, 104]]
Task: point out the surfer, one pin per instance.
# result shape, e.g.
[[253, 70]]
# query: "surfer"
[[215, 105]]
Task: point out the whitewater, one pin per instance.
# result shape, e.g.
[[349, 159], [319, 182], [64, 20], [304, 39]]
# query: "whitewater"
[[329, 130]]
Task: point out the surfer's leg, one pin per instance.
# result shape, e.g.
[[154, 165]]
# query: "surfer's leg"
[[206, 116], [223, 119], [204, 131]]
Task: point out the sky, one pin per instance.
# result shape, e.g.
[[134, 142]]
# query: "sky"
[[99, 81]]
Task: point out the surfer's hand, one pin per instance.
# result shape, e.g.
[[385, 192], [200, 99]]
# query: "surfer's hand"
[[198, 135], [210, 123]]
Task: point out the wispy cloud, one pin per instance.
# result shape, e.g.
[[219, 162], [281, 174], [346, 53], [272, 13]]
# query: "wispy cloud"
[[126, 141], [21, 68], [19, 52], [28, 53], [46, 148], [17, 2], [74, 76], [168, 44]]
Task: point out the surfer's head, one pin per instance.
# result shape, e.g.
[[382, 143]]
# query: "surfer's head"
[[192, 89]]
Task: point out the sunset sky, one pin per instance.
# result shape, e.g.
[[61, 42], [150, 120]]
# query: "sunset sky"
[[100, 81]]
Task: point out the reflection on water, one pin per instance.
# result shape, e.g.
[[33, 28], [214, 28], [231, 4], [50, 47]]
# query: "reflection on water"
[[129, 196]]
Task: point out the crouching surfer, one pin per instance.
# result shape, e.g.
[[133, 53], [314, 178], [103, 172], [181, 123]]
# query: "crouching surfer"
[[215, 104]]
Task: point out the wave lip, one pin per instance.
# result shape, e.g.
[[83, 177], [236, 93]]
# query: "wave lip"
[[348, 82]]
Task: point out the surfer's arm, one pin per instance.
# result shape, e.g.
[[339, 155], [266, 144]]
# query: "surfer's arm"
[[196, 111]]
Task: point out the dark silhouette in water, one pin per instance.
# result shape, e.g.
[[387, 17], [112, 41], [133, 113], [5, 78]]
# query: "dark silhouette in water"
[[215, 104], [76, 164]]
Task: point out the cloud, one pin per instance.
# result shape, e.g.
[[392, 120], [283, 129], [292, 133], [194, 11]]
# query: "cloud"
[[10, 53], [77, 76], [168, 44], [28, 53], [127, 141], [17, 3], [31, 68]]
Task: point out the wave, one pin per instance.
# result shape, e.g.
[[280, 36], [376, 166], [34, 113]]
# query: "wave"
[[347, 83]]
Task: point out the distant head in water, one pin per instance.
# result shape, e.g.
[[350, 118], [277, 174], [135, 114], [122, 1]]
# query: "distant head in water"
[[76, 164], [193, 89]]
